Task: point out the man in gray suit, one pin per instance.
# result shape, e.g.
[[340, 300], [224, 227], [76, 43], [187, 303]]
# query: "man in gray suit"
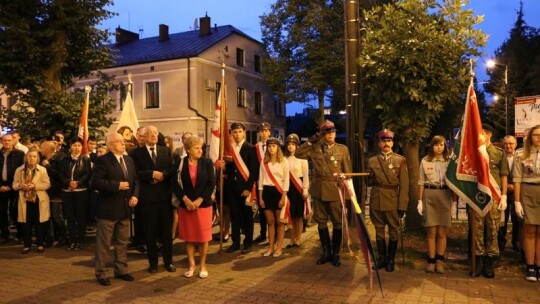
[[115, 177]]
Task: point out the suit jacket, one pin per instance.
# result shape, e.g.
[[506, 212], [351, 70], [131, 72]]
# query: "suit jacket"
[[14, 159], [81, 172], [112, 203], [235, 180], [204, 184], [149, 192]]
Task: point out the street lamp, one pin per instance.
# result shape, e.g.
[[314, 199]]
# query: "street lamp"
[[491, 64]]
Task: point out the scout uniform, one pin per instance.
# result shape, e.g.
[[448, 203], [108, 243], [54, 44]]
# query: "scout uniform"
[[388, 199], [487, 227], [328, 162]]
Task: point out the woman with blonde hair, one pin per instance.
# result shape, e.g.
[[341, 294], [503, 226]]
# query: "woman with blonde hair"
[[32, 182], [273, 187], [526, 173]]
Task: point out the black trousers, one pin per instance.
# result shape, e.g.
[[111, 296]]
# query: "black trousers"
[[241, 218], [75, 207], [9, 204], [32, 221], [157, 220]]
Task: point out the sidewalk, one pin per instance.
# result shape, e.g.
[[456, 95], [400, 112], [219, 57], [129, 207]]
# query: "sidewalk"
[[59, 276]]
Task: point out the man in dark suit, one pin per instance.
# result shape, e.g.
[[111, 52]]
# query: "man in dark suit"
[[241, 173], [154, 168], [10, 160], [115, 177]]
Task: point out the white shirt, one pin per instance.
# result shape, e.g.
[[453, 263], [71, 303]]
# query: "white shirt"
[[21, 147], [280, 172], [300, 168]]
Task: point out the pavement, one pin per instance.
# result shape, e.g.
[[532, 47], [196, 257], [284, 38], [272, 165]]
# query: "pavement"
[[60, 276]]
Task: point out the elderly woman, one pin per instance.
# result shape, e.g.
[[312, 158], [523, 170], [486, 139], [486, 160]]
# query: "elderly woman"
[[526, 174], [74, 172], [194, 187], [32, 182]]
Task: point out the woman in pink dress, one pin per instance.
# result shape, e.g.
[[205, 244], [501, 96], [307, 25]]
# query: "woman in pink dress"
[[194, 187]]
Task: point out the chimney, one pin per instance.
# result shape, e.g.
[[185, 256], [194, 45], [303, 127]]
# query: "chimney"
[[125, 36], [204, 23], [163, 32]]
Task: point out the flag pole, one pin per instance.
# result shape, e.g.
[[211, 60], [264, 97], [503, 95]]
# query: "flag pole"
[[472, 213], [222, 139]]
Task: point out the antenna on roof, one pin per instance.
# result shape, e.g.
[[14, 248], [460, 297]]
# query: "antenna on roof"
[[196, 24], [141, 30]]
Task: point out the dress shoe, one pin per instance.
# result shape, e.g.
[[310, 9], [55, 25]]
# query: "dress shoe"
[[189, 273], [40, 249], [268, 253], [25, 250], [170, 268], [232, 248], [277, 254], [125, 277], [104, 281], [152, 269], [246, 249], [259, 239], [203, 274]]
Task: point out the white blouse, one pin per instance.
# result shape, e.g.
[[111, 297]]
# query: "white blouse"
[[280, 172]]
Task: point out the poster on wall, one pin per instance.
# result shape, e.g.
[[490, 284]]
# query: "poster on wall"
[[527, 114]]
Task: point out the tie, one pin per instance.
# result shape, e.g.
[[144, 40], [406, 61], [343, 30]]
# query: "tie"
[[153, 154], [123, 165]]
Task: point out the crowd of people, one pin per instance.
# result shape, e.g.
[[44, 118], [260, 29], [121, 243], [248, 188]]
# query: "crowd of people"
[[151, 193]]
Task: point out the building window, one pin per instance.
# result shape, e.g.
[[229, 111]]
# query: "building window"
[[241, 97], [279, 107], [152, 94], [239, 57], [257, 63], [258, 103]]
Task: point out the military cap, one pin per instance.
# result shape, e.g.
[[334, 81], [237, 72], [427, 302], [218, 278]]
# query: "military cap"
[[237, 125], [263, 126], [272, 140], [327, 127], [385, 134], [293, 138], [488, 128]]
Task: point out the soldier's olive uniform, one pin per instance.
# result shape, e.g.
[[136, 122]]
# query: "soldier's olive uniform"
[[389, 182], [327, 163]]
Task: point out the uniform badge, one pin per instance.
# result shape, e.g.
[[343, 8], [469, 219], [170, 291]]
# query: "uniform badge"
[[332, 158], [390, 166]]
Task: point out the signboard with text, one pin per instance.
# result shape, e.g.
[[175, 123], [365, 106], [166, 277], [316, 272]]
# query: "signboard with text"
[[527, 114]]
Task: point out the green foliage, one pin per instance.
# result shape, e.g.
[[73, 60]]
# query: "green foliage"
[[44, 45], [40, 118], [305, 43], [415, 61]]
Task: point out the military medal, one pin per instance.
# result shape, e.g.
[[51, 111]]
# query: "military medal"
[[390, 166], [332, 158]]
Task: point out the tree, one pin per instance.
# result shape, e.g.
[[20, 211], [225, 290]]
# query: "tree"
[[521, 55], [46, 44], [64, 113], [305, 43], [415, 62]]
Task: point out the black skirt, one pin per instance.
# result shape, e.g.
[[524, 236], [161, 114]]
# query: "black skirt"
[[271, 197], [297, 202]]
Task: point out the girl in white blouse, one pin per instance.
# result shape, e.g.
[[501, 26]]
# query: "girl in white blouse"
[[298, 190], [273, 188]]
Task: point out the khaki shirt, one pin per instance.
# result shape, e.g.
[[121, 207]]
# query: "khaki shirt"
[[498, 164], [328, 163], [432, 172], [527, 169], [389, 182]]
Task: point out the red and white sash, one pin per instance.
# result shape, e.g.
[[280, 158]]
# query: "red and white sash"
[[298, 185], [242, 167], [260, 151], [284, 214]]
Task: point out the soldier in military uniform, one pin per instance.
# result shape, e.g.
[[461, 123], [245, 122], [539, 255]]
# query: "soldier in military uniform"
[[329, 160], [487, 227], [388, 196]]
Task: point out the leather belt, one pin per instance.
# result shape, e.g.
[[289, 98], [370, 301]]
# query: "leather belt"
[[427, 186]]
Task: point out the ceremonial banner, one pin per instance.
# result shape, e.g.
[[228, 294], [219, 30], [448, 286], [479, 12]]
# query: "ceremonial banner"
[[218, 126], [83, 122], [468, 170], [128, 117]]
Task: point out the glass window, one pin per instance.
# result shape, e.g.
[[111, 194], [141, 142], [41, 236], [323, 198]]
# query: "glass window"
[[258, 103], [241, 97], [152, 94], [257, 63], [239, 57]]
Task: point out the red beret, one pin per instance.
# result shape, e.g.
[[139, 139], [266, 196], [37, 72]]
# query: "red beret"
[[327, 127], [385, 134]]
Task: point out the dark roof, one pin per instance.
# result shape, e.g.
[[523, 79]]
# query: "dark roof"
[[179, 45]]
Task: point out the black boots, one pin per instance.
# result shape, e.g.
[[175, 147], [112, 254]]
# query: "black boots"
[[392, 248], [336, 246], [326, 256], [381, 249], [479, 269], [488, 267]]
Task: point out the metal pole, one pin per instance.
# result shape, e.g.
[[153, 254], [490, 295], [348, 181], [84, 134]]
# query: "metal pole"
[[506, 97]]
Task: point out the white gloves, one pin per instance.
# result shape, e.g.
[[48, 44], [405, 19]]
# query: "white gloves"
[[453, 209], [519, 209], [420, 207], [502, 203]]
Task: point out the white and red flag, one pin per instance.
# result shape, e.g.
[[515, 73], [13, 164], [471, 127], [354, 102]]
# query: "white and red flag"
[[83, 122]]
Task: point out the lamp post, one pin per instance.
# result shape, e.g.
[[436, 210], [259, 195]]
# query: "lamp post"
[[491, 64]]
